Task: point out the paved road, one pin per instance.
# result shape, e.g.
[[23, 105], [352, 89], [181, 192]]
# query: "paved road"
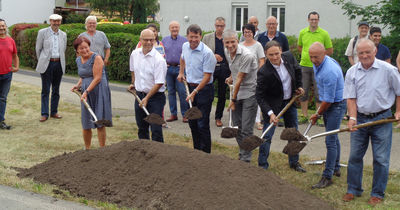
[[122, 103]]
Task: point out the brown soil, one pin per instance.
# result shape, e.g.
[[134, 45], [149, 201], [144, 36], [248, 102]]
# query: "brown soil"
[[250, 143], [292, 134], [153, 175], [154, 119], [229, 132], [193, 113], [293, 147]]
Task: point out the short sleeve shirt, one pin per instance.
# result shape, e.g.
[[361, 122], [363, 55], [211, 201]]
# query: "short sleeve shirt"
[[307, 38], [149, 69], [7, 50], [197, 62], [350, 51], [256, 49], [383, 52], [98, 42]]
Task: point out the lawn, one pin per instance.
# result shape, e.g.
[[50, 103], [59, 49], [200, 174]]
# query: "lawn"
[[30, 142]]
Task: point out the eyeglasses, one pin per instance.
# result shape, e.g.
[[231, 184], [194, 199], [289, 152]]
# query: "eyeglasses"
[[314, 19], [247, 32], [220, 26], [272, 24]]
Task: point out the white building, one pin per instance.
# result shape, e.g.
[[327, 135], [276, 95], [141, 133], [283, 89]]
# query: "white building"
[[291, 14], [27, 11]]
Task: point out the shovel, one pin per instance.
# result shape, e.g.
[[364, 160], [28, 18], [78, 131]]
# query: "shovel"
[[252, 142], [106, 123], [151, 118], [297, 141], [230, 132], [193, 113]]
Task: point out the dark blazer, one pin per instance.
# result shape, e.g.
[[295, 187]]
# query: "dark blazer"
[[269, 91]]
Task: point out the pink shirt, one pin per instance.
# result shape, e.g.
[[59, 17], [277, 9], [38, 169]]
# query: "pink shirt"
[[7, 50]]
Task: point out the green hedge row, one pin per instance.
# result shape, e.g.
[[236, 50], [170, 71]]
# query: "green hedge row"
[[122, 45], [108, 28]]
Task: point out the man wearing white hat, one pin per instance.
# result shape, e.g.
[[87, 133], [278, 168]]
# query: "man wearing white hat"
[[51, 43]]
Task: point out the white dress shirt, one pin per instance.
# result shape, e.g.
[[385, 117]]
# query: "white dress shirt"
[[149, 69], [286, 80], [55, 52]]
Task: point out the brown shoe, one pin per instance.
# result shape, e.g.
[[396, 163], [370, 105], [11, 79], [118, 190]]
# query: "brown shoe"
[[374, 200], [43, 118], [185, 120], [348, 197], [172, 118], [56, 116], [218, 123]]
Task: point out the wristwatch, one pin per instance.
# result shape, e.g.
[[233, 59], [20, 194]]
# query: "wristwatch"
[[233, 100]]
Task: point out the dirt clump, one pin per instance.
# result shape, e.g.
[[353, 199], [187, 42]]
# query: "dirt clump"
[[151, 175]]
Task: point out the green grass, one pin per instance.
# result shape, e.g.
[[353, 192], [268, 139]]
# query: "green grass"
[[31, 142]]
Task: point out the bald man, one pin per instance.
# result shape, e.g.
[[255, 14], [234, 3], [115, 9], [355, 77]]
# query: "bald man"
[[329, 78], [371, 88], [253, 20], [272, 33], [173, 50], [148, 69]]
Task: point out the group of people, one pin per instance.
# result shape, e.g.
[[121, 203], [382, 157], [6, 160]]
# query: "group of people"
[[265, 77]]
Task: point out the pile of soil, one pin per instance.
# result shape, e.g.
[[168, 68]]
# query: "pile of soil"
[[153, 175]]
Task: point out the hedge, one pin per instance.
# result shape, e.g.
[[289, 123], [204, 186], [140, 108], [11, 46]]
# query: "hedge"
[[122, 45]]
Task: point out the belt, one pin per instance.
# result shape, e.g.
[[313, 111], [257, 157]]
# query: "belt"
[[372, 115], [173, 64], [193, 84], [55, 59], [337, 102], [218, 64]]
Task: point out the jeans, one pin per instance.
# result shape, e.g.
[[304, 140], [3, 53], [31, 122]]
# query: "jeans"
[[155, 105], [174, 86], [5, 83], [244, 117], [220, 74], [290, 119], [200, 128], [51, 78], [332, 119], [381, 141]]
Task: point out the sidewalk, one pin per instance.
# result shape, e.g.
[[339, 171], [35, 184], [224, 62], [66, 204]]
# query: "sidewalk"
[[122, 103]]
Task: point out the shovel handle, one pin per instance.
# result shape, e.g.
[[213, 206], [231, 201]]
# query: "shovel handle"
[[138, 99], [187, 92], [230, 110], [377, 122], [86, 105]]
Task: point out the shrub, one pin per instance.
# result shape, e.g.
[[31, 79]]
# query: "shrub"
[[128, 28], [339, 48], [75, 18], [392, 42]]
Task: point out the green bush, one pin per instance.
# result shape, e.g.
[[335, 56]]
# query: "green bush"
[[339, 48], [393, 43], [75, 18]]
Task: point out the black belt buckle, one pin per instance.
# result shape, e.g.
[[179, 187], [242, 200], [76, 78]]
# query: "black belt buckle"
[[372, 115]]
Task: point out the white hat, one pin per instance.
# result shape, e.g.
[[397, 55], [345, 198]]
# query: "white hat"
[[55, 17]]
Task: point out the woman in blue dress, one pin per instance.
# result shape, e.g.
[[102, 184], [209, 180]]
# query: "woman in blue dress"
[[95, 89]]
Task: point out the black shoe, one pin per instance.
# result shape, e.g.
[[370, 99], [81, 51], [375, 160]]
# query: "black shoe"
[[337, 173], [3, 125], [297, 167], [324, 182]]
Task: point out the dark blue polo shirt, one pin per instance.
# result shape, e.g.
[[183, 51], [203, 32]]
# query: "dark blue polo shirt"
[[383, 52], [279, 37]]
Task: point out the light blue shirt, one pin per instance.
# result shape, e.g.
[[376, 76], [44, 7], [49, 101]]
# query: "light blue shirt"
[[375, 88], [330, 82], [55, 52], [197, 62]]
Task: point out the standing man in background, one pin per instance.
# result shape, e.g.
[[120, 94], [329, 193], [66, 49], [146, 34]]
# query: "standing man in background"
[[382, 53], [51, 44], [215, 43], [173, 50], [313, 33], [253, 20], [8, 56], [351, 52], [272, 33]]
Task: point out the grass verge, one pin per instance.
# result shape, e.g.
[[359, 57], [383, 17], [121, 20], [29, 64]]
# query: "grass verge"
[[30, 142]]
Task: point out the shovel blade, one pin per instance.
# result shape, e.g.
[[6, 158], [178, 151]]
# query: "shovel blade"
[[251, 142], [193, 113], [106, 123], [293, 148], [292, 134], [229, 132], [153, 118]]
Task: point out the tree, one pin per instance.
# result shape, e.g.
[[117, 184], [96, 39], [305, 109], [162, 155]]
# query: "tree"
[[386, 12], [136, 10]]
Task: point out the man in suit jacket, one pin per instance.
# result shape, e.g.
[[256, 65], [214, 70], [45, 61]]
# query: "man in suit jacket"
[[277, 82], [51, 43], [221, 72]]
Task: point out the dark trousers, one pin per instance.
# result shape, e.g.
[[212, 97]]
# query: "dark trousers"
[[155, 105], [5, 83], [220, 74], [200, 128], [51, 78]]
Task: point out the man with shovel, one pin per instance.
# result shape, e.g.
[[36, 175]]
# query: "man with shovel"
[[277, 82], [148, 69], [199, 62], [329, 78], [243, 65], [371, 88]]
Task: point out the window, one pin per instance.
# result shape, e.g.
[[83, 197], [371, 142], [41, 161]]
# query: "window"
[[278, 10], [240, 16]]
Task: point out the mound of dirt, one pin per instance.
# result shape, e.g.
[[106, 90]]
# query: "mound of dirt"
[[146, 174]]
